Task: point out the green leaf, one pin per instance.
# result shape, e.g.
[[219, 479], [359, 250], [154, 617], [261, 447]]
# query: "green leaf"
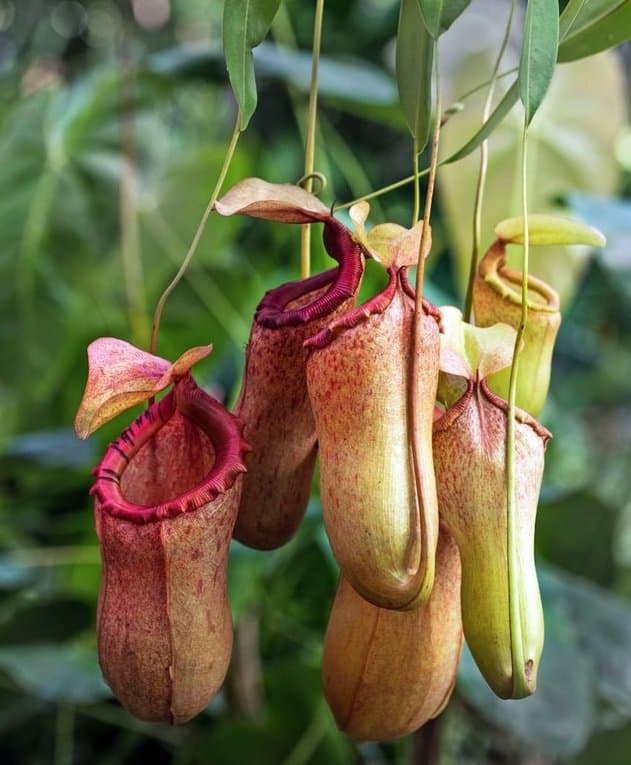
[[501, 110], [439, 15], [432, 10], [56, 671], [579, 15], [569, 148], [605, 32], [415, 55], [245, 24], [560, 716], [451, 10], [538, 54]]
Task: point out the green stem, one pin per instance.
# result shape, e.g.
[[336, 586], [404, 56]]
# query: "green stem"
[[517, 647], [410, 178], [415, 394], [417, 185], [484, 162], [311, 738], [305, 230], [130, 238], [198, 235], [64, 735]]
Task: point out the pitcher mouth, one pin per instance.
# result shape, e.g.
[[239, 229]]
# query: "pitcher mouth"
[[222, 429], [493, 269], [339, 284]]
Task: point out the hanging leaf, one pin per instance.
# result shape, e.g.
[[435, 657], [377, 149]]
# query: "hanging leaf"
[[451, 10], [431, 10], [538, 53], [596, 26], [500, 111], [245, 24], [415, 55], [439, 15], [580, 15], [570, 148]]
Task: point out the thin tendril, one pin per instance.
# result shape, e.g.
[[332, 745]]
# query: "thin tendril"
[[484, 162], [414, 383], [305, 230], [411, 178], [517, 646], [198, 235]]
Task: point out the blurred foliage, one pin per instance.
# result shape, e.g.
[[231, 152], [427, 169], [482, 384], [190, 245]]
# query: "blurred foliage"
[[90, 88]]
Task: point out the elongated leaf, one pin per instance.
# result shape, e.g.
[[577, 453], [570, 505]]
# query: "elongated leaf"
[[538, 54], [439, 15], [245, 24], [501, 110], [415, 54], [578, 15], [432, 10], [606, 32], [451, 10]]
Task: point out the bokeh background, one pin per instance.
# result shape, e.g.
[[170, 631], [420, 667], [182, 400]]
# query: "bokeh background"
[[114, 120]]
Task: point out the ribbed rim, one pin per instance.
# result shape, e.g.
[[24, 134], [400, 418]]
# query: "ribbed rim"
[[222, 428], [507, 281], [341, 282]]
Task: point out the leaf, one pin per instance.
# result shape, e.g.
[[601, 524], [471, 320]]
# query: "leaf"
[[121, 376], [499, 113], [559, 718], [603, 624], [432, 11], [281, 202], [56, 671], [570, 148], [52, 448], [606, 32], [451, 10], [468, 351], [549, 229], [414, 62], [439, 15], [245, 24], [538, 54]]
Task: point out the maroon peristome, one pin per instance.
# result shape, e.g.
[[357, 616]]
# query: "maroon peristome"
[[166, 499], [274, 403]]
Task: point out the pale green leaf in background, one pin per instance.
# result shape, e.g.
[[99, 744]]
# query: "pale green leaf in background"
[[570, 147], [245, 24], [439, 15], [538, 53], [497, 116], [414, 60]]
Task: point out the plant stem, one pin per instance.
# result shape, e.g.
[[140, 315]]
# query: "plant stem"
[[198, 235], [414, 392], [311, 737], [517, 648], [64, 735], [130, 238], [484, 162], [305, 229], [417, 186]]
